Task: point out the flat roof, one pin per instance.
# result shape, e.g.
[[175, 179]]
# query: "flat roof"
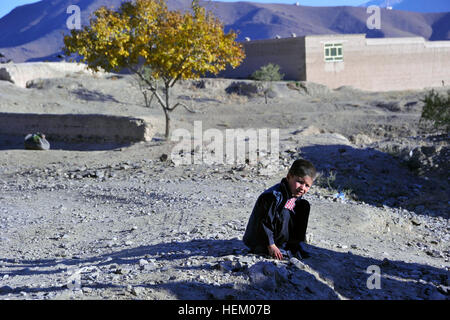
[[369, 41], [407, 40]]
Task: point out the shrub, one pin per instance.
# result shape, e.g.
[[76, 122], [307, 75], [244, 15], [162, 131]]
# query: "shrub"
[[437, 110], [266, 75]]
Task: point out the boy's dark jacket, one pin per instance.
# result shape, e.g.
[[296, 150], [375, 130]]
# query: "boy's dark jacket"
[[265, 222]]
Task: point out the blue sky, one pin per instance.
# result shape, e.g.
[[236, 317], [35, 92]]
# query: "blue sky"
[[7, 5]]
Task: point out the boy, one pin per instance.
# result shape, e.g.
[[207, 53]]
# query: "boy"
[[280, 216]]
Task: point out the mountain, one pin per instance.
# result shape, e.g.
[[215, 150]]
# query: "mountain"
[[412, 5], [34, 32]]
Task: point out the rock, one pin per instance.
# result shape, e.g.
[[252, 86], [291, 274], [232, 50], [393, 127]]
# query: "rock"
[[416, 159], [163, 157], [246, 259], [261, 275], [223, 266], [6, 289], [87, 290], [444, 289], [360, 139], [308, 131], [142, 262], [99, 174], [122, 270], [434, 253], [228, 258], [297, 263], [136, 291]]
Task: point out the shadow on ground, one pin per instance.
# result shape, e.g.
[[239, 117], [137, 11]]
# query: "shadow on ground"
[[89, 95], [8, 142], [377, 178], [342, 273]]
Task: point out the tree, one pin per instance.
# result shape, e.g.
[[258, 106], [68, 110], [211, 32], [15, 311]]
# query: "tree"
[[266, 74], [141, 83], [174, 45], [437, 110]]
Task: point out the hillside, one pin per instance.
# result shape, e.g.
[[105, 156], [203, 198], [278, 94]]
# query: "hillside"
[[34, 32], [412, 5]]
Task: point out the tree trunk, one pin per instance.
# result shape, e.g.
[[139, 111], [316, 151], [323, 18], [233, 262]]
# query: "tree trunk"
[[167, 124], [167, 112]]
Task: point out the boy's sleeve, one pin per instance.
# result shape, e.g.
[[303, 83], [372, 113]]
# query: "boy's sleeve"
[[266, 218]]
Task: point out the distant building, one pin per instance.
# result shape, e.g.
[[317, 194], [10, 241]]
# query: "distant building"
[[374, 64]]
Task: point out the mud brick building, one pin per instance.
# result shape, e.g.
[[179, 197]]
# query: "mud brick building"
[[374, 64]]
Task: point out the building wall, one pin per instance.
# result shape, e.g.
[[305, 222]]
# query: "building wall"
[[78, 127], [288, 53], [382, 64]]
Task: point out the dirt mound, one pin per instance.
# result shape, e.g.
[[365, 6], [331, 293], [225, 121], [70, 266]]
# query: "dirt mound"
[[21, 73]]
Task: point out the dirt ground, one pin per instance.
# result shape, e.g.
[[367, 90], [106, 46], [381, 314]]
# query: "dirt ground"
[[83, 221]]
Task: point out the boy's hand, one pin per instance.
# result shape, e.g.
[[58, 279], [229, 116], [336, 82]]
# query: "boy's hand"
[[275, 252]]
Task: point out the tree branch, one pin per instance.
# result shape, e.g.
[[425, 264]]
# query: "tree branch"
[[153, 88], [181, 104], [139, 74]]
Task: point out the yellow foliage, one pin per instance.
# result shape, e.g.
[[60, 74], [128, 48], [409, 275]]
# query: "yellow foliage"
[[173, 44]]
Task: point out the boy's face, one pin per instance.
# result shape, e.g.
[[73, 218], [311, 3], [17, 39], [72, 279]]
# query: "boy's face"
[[299, 185]]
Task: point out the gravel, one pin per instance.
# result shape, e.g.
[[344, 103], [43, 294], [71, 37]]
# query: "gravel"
[[128, 223]]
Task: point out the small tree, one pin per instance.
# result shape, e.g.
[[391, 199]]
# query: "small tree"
[[437, 110], [144, 88], [266, 75], [172, 44]]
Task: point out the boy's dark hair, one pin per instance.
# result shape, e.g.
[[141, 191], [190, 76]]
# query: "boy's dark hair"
[[301, 168]]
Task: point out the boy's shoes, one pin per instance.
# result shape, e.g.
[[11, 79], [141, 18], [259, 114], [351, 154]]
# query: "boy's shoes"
[[304, 254], [299, 252]]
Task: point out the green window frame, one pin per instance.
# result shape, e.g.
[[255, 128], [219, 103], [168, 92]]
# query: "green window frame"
[[333, 52]]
